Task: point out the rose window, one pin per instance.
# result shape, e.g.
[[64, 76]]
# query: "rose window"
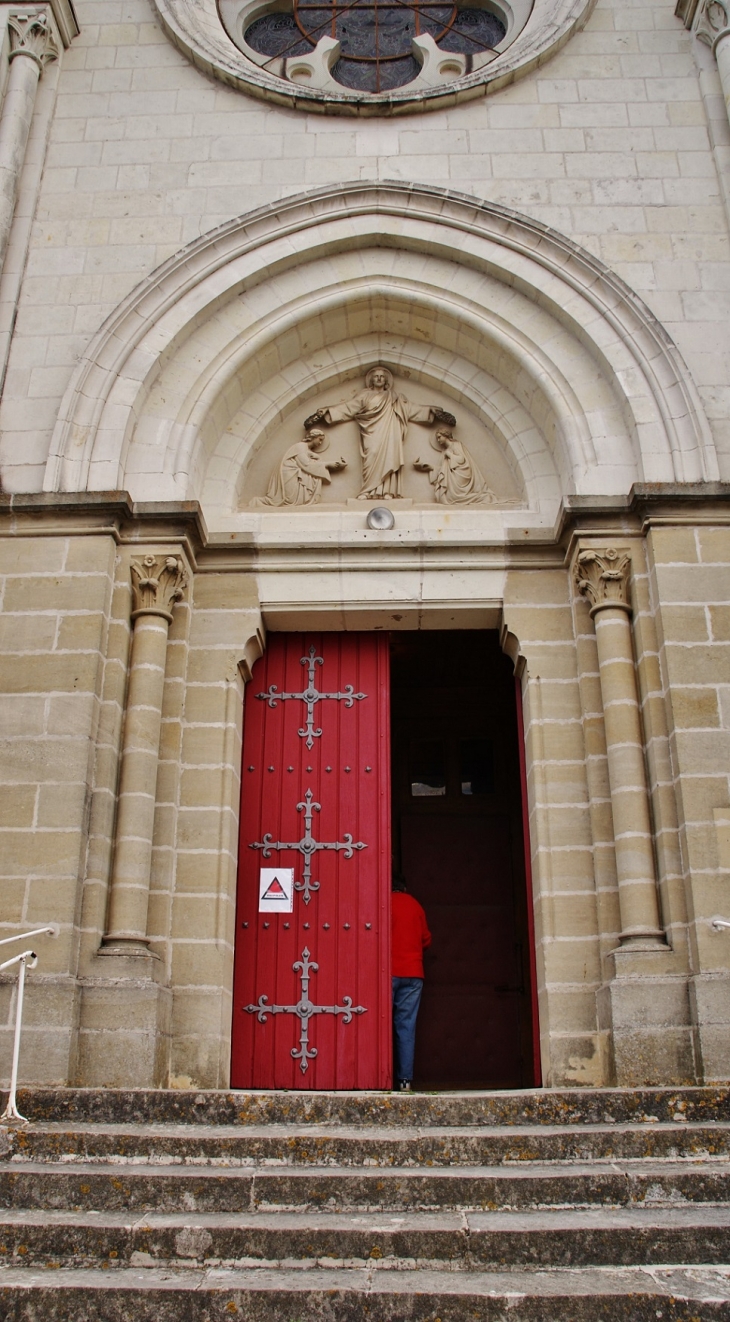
[[374, 45], [369, 57]]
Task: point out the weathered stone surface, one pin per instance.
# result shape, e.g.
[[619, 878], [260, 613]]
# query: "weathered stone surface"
[[168, 1189], [648, 1106], [216, 1296], [470, 1242], [367, 1206], [373, 1145]]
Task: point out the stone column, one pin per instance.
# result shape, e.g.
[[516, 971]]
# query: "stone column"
[[603, 578], [32, 45], [158, 581], [711, 23]]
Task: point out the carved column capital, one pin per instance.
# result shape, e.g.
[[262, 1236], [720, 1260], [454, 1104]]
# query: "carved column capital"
[[158, 581], [711, 21], [603, 578], [31, 34]]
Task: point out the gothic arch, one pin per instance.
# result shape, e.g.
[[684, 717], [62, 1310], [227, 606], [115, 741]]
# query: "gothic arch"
[[586, 390]]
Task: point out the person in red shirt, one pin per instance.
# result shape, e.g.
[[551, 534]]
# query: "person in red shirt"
[[410, 938]]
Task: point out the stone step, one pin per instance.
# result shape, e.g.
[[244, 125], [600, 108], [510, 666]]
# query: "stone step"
[[667, 1294], [533, 1107], [472, 1241], [388, 1145], [373, 1146], [172, 1188]]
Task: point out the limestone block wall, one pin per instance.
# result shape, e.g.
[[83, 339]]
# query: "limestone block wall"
[[620, 143], [608, 141], [537, 612], [225, 640], [643, 1001], [159, 1010], [690, 574], [55, 615]]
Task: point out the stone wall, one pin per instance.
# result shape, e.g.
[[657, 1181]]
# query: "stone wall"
[[56, 606], [633, 1012], [592, 182], [691, 589], [608, 142]]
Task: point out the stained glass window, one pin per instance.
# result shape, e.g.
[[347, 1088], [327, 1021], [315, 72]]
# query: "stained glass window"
[[375, 36]]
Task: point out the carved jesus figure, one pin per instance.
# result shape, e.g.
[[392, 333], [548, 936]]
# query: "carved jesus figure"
[[383, 418]]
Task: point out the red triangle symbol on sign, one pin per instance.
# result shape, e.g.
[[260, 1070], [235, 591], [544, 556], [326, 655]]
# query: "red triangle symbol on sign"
[[275, 891]]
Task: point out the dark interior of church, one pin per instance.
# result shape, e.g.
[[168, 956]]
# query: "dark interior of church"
[[458, 840]]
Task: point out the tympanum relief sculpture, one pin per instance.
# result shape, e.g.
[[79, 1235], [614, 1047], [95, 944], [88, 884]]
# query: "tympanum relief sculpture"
[[455, 478], [299, 477], [384, 419]]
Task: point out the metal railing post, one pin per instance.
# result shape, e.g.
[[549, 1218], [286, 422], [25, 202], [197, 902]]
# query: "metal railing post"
[[28, 959], [11, 1111]]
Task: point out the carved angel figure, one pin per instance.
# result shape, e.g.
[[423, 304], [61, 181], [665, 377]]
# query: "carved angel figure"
[[299, 477], [383, 418], [455, 478]]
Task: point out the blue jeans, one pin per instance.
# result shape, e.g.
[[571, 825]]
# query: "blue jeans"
[[406, 1000]]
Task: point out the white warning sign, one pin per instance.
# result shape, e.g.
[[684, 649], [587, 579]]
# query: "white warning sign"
[[276, 890]]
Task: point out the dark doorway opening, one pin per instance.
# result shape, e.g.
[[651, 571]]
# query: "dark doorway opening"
[[458, 840]]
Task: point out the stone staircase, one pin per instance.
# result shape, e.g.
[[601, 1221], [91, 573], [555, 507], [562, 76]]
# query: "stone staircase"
[[517, 1207]]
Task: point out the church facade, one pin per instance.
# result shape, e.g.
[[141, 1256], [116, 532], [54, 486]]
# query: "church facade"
[[365, 466]]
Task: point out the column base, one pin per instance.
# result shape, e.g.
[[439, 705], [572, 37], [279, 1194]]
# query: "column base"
[[126, 946], [709, 995], [125, 1026], [645, 1008], [643, 940]]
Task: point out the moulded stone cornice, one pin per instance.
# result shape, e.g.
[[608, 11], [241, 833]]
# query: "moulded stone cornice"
[[65, 16], [686, 10], [646, 370], [89, 513], [196, 29]]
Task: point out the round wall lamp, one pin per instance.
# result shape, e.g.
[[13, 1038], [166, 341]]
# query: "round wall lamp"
[[379, 517]]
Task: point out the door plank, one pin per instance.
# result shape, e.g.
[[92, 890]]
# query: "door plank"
[[345, 926]]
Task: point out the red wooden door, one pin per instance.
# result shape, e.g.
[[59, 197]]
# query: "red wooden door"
[[312, 986]]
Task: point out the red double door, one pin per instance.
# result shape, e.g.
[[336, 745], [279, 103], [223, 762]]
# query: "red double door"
[[312, 977]]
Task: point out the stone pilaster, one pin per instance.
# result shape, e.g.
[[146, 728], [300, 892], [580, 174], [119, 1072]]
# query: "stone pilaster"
[[32, 45], [712, 26], [643, 1005], [603, 578], [158, 581]]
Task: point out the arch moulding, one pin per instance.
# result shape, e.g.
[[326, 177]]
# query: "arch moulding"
[[566, 324]]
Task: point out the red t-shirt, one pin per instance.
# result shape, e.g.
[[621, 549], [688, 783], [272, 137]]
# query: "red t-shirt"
[[410, 935]]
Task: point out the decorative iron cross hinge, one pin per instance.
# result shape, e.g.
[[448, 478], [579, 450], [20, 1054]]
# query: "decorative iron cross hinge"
[[305, 1009], [308, 846], [311, 696]]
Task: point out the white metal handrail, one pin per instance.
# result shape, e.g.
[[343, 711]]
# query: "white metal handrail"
[[51, 930], [718, 924], [28, 959]]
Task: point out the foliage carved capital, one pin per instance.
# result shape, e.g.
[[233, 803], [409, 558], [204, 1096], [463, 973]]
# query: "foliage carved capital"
[[603, 578], [712, 21], [158, 581], [31, 34]]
